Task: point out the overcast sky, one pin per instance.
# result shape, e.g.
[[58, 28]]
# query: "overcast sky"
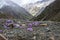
[[25, 1], [22, 2]]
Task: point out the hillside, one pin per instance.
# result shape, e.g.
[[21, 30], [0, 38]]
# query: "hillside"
[[38, 6], [9, 9], [51, 12]]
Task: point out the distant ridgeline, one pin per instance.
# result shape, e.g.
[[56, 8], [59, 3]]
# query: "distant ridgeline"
[[13, 11], [51, 13]]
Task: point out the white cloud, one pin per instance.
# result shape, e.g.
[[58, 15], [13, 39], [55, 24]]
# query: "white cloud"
[[22, 2]]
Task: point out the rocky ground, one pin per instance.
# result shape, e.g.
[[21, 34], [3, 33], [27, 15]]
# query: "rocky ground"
[[46, 30]]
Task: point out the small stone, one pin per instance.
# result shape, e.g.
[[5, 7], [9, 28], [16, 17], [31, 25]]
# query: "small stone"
[[34, 37], [52, 38], [23, 25], [16, 25], [43, 24], [48, 30]]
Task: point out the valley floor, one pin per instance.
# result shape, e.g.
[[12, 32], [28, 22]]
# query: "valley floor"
[[46, 30]]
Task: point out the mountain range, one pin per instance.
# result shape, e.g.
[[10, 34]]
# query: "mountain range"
[[9, 9], [39, 6], [50, 13]]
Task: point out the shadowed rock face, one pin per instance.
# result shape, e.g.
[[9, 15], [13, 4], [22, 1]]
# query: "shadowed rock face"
[[51, 12]]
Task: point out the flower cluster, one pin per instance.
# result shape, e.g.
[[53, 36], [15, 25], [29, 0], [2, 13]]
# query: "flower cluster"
[[33, 24], [30, 25], [9, 22], [17, 25]]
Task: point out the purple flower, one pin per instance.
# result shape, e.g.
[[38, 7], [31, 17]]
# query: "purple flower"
[[30, 25], [35, 23], [6, 27], [9, 21], [30, 29], [1, 31]]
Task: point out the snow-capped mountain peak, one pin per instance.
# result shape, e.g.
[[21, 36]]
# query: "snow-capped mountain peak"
[[40, 5]]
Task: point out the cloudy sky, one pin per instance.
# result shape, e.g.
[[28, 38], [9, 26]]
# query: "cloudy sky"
[[22, 2]]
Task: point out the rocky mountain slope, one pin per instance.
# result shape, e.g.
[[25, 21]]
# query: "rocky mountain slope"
[[51, 12], [39, 6], [9, 9]]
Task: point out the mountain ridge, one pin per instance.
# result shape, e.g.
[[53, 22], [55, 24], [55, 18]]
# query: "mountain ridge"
[[51, 12], [15, 10], [34, 8]]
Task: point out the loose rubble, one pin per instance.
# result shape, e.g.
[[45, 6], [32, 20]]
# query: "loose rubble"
[[37, 30]]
